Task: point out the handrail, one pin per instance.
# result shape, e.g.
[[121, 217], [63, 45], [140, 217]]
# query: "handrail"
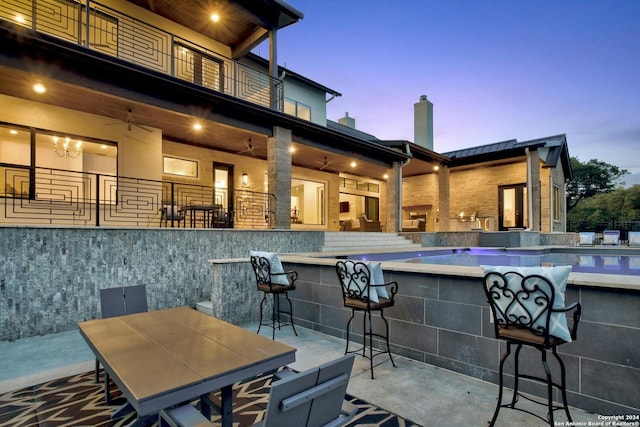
[[36, 195], [101, 28]]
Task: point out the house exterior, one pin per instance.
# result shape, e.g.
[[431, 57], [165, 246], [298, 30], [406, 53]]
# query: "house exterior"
[[147, 110], [154, 115]]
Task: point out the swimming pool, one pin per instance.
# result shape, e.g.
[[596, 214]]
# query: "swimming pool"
[[583, 260]]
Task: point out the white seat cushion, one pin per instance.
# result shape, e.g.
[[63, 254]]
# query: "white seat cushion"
[[558, 277], [276, 266]]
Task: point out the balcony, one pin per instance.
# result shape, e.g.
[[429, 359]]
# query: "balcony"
[[43, 196], [105, 30]]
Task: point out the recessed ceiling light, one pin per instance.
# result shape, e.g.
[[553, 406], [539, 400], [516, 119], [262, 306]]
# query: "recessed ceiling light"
[[385, 176], [215, 17], [292, 149], [13, 132], [197, 126], [20, 19], [103, 146], [353, 164], [39, 88]]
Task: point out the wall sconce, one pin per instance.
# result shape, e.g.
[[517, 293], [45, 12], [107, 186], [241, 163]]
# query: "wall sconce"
[[245, 179]]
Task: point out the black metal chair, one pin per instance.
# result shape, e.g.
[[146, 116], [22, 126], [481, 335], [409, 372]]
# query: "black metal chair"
[[360, 294], [171, 214], [271, 279], [523, 311], [119, 302]]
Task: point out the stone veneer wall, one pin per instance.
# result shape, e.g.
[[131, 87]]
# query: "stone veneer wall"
[[444, 320], [50, 277]]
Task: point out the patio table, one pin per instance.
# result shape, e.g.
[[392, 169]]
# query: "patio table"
[[166, 357]]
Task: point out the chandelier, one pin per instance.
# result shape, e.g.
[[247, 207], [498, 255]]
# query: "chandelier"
[[64, 149]]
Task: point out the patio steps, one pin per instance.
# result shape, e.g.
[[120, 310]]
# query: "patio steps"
[[365, 241]]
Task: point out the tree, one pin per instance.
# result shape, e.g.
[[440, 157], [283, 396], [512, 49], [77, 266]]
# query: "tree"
[[592, 178]]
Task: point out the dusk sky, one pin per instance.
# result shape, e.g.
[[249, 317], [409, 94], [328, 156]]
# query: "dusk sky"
[[494, 69]]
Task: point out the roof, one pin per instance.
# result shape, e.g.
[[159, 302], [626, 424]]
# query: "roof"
[[291, 74], [351, 131], [555, 146]]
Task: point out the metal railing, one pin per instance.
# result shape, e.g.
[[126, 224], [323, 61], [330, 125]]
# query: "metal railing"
[[38, 196], [111, 32]]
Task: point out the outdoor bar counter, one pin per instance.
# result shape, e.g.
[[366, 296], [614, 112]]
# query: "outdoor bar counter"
[[442, 318]]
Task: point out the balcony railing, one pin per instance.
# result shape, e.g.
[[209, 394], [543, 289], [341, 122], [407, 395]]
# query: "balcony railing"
[[39, 196], [111, 32]]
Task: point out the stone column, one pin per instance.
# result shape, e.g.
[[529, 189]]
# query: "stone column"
[[533, 190], [394, 198], [443, 200], [279, 171]]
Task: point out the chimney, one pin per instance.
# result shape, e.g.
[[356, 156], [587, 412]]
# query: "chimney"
[[347, 121], [423, 123]]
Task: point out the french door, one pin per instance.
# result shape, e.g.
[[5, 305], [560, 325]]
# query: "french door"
[[513, 209]]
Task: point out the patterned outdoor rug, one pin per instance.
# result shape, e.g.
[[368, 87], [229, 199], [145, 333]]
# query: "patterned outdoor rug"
[[78, 401]]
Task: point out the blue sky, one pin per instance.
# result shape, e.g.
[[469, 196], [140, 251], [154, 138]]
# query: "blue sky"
[[494, 69]]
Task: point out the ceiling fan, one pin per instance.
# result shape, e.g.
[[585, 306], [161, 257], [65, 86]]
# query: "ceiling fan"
[[324, 164], [130, 122], [249, 148]]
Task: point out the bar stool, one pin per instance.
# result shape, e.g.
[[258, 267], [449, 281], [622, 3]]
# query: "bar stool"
[[271, 279], [361, 292], [528, 309]]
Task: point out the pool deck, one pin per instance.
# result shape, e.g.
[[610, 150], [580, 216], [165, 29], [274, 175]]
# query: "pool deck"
[[425, 394]]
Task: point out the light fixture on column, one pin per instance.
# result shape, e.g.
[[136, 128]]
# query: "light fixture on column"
[[64, 150], [245, 179]]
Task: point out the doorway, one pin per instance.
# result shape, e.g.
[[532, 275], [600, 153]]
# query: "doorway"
[[513, 208], [223, 195]]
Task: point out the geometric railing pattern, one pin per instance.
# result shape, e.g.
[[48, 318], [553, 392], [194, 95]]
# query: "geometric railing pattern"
[[60, 197], [121, 36]]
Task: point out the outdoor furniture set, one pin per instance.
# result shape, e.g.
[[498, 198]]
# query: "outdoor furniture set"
[[166, 361]]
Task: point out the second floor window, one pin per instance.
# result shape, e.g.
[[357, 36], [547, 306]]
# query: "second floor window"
[[297, 109]]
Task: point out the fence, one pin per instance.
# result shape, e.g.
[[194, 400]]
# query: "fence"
[[33, 195]]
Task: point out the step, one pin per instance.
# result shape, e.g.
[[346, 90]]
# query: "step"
[[349, 241]]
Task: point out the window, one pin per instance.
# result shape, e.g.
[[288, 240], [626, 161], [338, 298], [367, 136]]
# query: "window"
[[180, 167], [307, 202], [297, 109], [556, 203]]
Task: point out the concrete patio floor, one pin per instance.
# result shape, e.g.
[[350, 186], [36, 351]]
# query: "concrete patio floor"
[[425, 394]]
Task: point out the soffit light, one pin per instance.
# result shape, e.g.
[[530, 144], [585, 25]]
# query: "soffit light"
[[64, 150], [197, 126], [353, 164], [39, 88], [215, 17]]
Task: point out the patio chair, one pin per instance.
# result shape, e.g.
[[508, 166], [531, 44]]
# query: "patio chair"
[[369, 225], [527, 305], [586, 238], [634, 238], [171, 214], [312, 398], [364, 290], [611, 237], [119, 302], [271, 279]]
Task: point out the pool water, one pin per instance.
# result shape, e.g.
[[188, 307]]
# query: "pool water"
[[601, 263]]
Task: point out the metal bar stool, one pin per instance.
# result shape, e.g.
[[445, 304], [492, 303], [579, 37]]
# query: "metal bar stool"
[[528, 310], [272, 280], [361, 293]]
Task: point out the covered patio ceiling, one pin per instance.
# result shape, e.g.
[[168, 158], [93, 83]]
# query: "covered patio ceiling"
[[178, 126], [243, 24]]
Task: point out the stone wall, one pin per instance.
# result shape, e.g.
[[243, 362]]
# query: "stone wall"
[[444, 320], [50, 277]]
